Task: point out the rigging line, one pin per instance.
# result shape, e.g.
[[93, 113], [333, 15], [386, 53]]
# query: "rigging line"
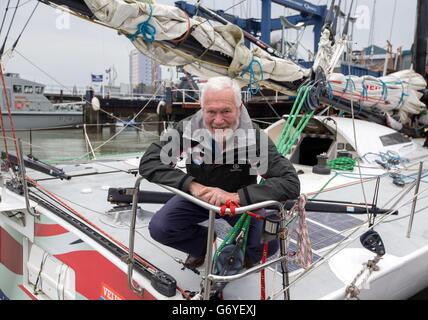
[[9, 112], [10, 26], [25, 26], [408, 215], [178, 260], [270, 105], [124, 127], [131, 125], [392, 21], [224, 11], [82, 219], [371, 34], [321, 261], [354, 130], [331, 252], [40, 69], [23, 4], [28, 143], [4, 16]]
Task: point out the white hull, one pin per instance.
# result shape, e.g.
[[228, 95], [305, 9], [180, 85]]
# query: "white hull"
[[402, 273]]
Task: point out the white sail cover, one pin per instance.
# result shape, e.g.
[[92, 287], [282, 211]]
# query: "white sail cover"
[[171, 23], [395, 93]]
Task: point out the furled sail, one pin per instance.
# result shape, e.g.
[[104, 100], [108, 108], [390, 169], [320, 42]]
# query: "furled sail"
[[170, 26], [169, 36]]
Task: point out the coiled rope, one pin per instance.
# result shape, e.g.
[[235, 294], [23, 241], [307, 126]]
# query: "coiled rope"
[[147, 30]]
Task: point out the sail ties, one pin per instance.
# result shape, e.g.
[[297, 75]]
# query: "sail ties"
[[253, 85], [390, 91], [147, 30]]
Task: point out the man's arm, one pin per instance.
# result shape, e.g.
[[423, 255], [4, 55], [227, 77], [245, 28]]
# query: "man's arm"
[[212, 195], [154, 168], [281, 182]]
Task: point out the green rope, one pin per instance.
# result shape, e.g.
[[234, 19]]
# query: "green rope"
[[243, 224], [324, 186], [299, 129], [245, 229], [232, 234], [302, 93], [289, 136], [342, 163]]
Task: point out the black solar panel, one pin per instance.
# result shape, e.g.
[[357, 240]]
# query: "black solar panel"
[[336, 221], [291, 265], [320, 236]]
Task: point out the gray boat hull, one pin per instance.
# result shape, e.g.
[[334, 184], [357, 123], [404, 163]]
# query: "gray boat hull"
[[43, 120]]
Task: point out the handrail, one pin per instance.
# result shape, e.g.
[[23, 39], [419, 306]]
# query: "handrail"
[[240, 210], [210, 278], [130, 258], [24, 181]]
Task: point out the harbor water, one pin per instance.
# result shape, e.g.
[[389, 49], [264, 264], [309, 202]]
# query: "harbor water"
[[67, 145]]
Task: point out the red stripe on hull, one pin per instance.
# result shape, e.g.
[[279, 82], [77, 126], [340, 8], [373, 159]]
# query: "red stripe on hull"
[[10, 252], [27, 292], [48, 230], [94, 273]]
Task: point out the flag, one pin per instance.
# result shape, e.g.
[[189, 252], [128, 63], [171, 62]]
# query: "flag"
[[97, 77]]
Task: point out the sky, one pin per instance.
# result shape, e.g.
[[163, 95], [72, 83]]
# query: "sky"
[[57, 49]]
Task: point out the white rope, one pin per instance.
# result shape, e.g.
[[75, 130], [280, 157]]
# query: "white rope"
[[124, 127], [88, 141]]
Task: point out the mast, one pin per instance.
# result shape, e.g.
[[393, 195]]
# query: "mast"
[[421, 36]]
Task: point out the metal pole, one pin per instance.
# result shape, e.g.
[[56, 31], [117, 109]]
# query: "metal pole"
[[209, 258], [415, 199], [266, 21], [31, 141], [130, 259], [421, 35], [282, 41], [283, 248], [24, 180]]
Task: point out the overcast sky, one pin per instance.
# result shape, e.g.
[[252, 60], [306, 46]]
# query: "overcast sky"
[[69, 51]]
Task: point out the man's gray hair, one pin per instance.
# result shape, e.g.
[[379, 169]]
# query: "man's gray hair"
[[220, 83]]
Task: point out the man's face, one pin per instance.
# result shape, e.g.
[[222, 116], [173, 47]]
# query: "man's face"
[[220, 110]]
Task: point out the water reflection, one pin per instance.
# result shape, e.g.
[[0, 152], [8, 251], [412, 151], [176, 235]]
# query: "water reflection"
[[70, 144]]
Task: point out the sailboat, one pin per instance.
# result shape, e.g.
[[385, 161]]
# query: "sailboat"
[[79, 230]]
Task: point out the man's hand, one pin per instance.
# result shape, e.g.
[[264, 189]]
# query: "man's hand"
[[212, 195]]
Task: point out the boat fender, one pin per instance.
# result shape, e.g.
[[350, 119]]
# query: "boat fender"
[[160, 109], [95, 103], [164, 283]]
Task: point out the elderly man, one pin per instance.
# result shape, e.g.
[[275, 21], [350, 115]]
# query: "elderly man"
[[230, 176]]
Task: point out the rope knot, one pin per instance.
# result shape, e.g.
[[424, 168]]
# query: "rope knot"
[[253, 78], [147, 30], [231, 205]]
